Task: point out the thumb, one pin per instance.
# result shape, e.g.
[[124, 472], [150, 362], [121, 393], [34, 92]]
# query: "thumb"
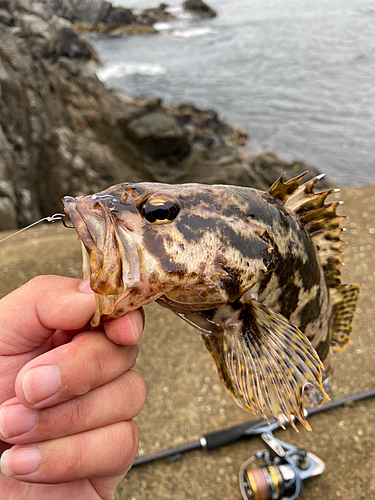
[[32, 313]]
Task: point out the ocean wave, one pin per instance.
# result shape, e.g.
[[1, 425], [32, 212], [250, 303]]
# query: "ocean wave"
[[128, 69], [190, 33], [162, 26]]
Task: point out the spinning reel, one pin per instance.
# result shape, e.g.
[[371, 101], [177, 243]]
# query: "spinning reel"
[[282, 473]]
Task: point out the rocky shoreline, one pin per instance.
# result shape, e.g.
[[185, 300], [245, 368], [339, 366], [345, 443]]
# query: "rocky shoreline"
[[105, 18], [62, 131]]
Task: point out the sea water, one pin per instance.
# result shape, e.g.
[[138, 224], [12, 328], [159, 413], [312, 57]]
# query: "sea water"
[[297, 75]]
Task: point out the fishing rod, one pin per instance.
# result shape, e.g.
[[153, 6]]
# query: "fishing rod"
[[283, 468], [224, 437]]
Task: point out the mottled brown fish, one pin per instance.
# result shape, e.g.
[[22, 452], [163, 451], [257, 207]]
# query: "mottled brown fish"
[[258, 273]]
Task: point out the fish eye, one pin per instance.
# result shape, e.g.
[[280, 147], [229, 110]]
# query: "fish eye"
[[160, 208]]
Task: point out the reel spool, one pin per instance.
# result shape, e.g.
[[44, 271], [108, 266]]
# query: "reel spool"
[[281, 475]]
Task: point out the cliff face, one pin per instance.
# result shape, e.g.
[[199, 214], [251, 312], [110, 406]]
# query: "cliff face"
[[63, 132]]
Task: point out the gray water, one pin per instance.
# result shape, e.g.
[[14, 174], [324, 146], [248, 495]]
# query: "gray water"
[[298, 75]]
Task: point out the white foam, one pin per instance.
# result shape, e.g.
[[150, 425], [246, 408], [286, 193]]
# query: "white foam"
[[190, 33], [162, 26], [131, 68]]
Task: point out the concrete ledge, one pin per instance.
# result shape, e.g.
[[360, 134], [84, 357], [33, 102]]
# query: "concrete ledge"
[[186, 399]]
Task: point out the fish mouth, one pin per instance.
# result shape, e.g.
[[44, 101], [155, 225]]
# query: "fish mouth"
[[110, 258]]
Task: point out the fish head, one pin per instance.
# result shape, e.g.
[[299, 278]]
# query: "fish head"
[[145, 240]]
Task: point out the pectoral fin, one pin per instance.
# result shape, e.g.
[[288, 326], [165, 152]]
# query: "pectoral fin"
[[261, 358], [269, 362]]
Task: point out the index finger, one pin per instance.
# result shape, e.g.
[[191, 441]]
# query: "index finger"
[[30, 314]]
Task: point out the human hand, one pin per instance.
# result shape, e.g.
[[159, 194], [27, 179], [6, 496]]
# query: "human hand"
[[67, 394]]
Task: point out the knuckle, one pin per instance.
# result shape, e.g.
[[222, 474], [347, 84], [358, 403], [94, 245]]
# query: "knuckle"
[[76, 416], [98, 365], [77, 457], [68, 458], [41, 282]]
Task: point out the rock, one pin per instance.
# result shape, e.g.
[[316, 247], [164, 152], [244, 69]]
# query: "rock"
[[6, 17], [2, 166], [159, 135], [119, 16], [205, 127], [91, 11], [269, 167], [155, 15], [128, 30], [103, 17], [40, 10], [8, 215], [32, 25], [17, 5], [49, 36], [6, 189], [67, 43], [103, 12], [88, 11], [199, 8]]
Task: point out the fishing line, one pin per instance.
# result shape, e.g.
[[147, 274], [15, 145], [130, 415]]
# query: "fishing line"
[[52, 218]]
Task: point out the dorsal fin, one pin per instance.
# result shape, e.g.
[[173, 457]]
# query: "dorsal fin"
[[323, 225], [282, 191], [317, 217]]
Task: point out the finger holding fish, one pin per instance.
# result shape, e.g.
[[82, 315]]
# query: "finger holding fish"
[[117, 401], [90, 360]]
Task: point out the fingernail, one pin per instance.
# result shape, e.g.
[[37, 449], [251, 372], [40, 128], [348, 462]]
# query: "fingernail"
[[84, 287], [16, 420], [40, 383], [20, 460]]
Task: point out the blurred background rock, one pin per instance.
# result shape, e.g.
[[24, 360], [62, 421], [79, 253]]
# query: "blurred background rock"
[[62, 131]]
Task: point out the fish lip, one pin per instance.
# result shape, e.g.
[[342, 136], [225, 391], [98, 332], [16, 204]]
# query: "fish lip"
[[70, 208], [80, 222], [93, 229], [96, 233]]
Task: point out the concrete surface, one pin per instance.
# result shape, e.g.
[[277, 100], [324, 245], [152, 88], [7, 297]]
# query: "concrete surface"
[[186, 399]]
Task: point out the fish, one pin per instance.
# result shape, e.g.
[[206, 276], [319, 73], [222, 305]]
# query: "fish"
[[256, 272]]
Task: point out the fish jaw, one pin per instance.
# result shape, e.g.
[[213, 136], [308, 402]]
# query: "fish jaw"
[[111, 261]]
